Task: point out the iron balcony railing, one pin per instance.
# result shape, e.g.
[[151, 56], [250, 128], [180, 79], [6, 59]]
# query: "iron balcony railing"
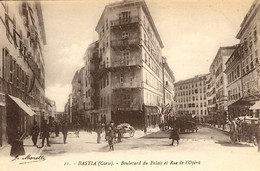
[[127, 85], [120, 22], [121, 63], [125, 42]]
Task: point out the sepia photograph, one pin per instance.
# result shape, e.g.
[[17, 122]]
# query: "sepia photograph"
[[130, 85]]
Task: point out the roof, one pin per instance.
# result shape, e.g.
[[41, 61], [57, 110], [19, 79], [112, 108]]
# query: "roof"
[[219, 50], [254, 9], [197, 78], [146, 10], [169, 71]]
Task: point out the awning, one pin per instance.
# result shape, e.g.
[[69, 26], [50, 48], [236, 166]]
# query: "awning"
[[22, 105], [255, 106]]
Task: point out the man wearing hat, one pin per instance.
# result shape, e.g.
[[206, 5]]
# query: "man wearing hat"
[[257, 134]]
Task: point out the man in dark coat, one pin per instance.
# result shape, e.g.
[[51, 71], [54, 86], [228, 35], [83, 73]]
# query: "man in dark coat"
[[257, 134], [56, 128], [111, 135], [174, 134], [45, 133], [35, 132], [64, 130]]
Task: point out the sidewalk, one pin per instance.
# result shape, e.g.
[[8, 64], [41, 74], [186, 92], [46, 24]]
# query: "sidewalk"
[[28, 147]]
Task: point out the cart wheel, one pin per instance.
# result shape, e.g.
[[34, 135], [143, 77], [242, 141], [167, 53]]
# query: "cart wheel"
[[131, 134]]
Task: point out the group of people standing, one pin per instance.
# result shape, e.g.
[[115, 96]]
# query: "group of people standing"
[[241, 131], [17, 147], [110, 133]]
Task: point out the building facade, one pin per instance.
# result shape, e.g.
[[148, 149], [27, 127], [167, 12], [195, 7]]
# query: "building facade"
[[191, 97], [131, 86], [78, 93], [211, 94], [249, 41], [219, 83], [234, 83], [22, 71], [126, 77]]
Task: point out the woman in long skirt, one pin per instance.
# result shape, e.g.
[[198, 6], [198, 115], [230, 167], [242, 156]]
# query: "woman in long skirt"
[[17, 148]]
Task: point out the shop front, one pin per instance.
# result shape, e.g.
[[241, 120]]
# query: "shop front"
[[17, 114], [151, 116], [239, 108]]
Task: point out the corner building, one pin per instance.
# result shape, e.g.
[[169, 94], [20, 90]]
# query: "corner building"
[[130, 68], [22, 68]]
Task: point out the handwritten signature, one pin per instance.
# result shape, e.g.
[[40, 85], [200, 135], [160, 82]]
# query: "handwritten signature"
[[29, 159]]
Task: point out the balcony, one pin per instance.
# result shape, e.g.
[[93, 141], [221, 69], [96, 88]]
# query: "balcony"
[[131, 20], [95, 58], [126, 85], [121, 44]]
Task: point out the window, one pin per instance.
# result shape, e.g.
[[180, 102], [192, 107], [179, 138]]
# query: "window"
[[107, 42], [106, 24], [121, 78], [124, 16], [126, 57], [125, 34], [107, 80]]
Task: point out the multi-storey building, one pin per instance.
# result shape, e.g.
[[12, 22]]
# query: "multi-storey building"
[[234, 83], [219, 83], [249, 40], [211, 94], [168, 87], [78, 93], [128, 67], [22, 75], [68, 110], [191, 96], [92, 61]]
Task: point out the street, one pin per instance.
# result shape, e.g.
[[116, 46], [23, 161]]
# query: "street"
[[208, 149], [206, 139]]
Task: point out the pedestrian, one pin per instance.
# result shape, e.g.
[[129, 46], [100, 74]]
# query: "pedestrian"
[[233, 129], [64, 130], [106, 131], [174, 135], [111, 135], [239, 130], [99, 132], [77, 127], [57, 129], [17, 148], [257, 134], [45, 133], [251, 131], [244, 129], [35, 132]]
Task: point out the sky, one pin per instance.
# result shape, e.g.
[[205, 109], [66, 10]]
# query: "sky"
[[191, 31]]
